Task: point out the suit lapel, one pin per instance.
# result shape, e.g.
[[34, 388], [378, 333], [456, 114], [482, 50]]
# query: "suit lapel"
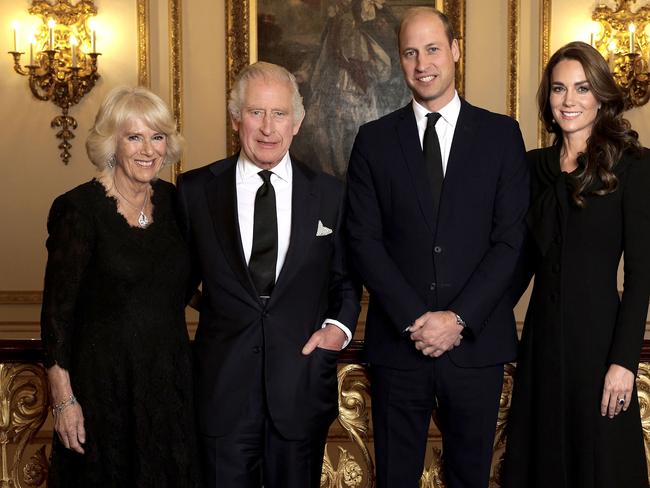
[[305, 200], [407, 132], [221, 195], [462, 144]]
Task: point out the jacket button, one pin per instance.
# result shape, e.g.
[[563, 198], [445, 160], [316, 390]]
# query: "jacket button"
[[437, 249], [265, 314], [432, 286], [257, 349]]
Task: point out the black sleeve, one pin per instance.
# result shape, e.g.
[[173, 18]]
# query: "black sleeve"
[[70, 245]]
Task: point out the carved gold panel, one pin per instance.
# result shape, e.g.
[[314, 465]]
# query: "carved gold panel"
[[23, 409], [348, 460]]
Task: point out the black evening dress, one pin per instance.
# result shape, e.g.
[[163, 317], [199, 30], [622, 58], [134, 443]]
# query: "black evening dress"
[[113, 316], [576, 327]]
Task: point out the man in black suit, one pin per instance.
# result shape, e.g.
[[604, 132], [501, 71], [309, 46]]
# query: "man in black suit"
[[436, 209], [265, 236]]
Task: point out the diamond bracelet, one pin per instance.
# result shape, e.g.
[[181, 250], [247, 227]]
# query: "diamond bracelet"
[[61, 406]]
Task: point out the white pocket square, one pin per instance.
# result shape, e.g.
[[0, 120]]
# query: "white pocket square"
[[322, 230]]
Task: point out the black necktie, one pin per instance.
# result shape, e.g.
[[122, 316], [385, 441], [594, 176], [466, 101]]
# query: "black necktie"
[[264, 254], [433, 158]]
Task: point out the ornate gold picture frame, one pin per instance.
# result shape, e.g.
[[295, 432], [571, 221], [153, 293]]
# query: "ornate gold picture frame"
[[266, 30]]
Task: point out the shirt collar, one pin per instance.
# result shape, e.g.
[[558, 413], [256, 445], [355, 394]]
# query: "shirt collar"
[[246, 168], [449, 113]]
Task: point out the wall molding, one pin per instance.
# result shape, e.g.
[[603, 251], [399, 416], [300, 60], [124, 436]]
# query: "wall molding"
[[143, 44], [512, 96], [19, 297], [176, 71]]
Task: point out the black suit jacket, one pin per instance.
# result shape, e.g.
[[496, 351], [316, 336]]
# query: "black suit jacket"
[[413, 261], [235, 328]]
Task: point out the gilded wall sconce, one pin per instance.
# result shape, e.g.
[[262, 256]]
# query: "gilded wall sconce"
[[62, 60], [624, 43]]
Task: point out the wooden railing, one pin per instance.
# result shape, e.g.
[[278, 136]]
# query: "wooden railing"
[[24, 409]]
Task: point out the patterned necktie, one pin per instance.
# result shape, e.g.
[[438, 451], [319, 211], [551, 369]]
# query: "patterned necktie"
[[264, 253]]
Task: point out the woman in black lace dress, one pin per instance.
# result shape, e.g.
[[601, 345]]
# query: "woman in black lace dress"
[[113, 326]]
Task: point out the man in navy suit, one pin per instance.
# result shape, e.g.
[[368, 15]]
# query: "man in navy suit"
[[265, 235], [436, 224]]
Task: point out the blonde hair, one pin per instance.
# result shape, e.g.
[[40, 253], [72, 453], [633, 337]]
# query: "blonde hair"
[[121, 105], [267, 72]]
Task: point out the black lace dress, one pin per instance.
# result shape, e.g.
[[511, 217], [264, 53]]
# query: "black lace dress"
[[113, 316]]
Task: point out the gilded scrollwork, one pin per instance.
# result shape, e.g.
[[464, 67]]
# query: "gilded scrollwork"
[[354, 417], [512, 55], [143, 43], [432, 476], [643, 392], [347, 474], [175, 8], [23, 409]]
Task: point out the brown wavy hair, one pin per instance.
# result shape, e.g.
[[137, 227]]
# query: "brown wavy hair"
[[611, 134]]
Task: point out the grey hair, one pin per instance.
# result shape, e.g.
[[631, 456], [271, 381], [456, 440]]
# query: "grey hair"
[[267, 72], [121, 105]]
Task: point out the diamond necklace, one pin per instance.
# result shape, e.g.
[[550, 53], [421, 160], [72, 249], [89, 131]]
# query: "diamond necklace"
[[143, 220]]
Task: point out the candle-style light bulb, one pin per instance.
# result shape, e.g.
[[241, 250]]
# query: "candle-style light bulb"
[[32, 44], [51, 24], [611, 47], [93, 31], [73, 47], [16, 27], [632, 29]]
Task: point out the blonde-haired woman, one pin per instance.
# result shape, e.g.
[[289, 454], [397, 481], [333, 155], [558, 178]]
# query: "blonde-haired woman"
[[112, 325]]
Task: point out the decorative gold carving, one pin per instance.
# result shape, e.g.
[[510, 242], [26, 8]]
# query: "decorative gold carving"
[[455, 10], [238, 48], [23, 409], [11, 297], [502, 421], [433, 477], [643, 392], [353, 386], [512, 97], [143, 43], [35, 471], [348, 473], [544, 54], [176, 67]]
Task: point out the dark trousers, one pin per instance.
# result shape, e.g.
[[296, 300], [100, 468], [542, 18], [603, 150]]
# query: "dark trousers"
[[255, 454], [466, 402]]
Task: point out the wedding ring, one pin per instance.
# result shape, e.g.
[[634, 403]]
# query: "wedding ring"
[[621, 401]]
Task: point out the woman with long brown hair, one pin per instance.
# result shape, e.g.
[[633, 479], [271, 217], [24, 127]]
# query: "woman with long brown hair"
[[574, 420]]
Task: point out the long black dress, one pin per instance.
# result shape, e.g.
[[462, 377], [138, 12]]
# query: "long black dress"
[[113, 316], [576, 326]]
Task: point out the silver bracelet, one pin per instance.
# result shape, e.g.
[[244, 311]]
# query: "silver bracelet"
[[61, 406]]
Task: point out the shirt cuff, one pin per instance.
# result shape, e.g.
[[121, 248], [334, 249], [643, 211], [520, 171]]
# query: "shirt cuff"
[[346, 331]]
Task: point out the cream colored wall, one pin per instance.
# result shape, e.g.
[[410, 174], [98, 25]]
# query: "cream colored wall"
[[32, 174]]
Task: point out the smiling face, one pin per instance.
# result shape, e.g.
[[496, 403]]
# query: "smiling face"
[[573, 103], [428, 60], [140, 151], [267, 123]]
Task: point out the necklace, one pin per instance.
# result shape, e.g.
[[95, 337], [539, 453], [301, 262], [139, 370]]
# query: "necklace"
[[143, 220]]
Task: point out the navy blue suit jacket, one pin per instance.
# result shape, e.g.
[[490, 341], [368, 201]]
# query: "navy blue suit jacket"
[[236, 330], [463, 259]]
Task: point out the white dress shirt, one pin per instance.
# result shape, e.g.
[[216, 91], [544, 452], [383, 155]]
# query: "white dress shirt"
[[444, 128], [247, 182]]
